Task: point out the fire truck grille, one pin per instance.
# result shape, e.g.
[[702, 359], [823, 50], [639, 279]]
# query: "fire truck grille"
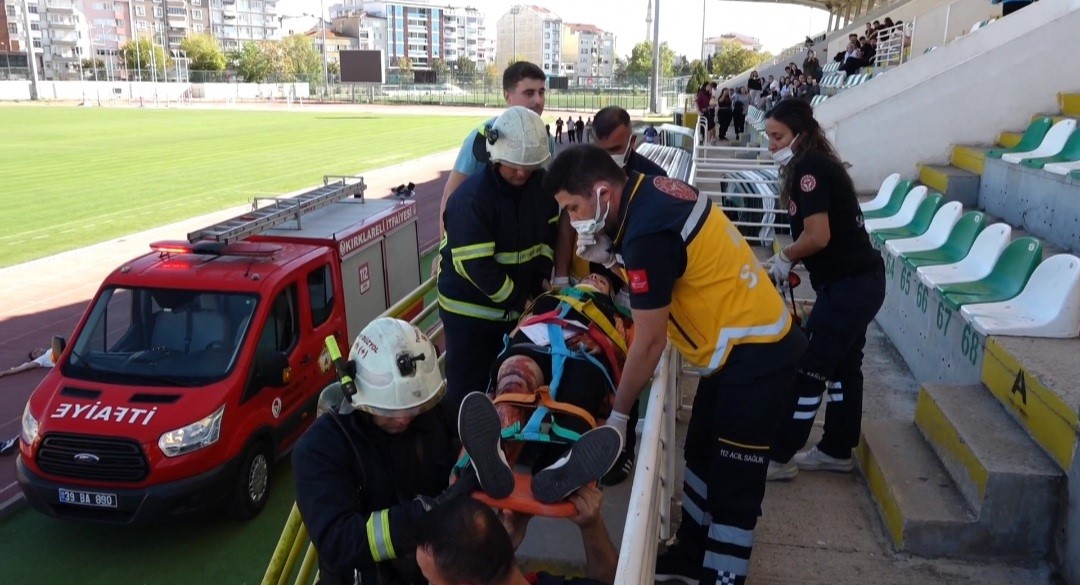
[[88, 457]]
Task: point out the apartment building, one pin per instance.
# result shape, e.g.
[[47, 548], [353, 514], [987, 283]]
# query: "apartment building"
[[369, 30], [531, 33], [588, 53], [14, 38]]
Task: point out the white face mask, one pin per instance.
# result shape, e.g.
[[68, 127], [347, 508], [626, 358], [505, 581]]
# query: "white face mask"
[[588, 227], [620, 159], [784, 155]]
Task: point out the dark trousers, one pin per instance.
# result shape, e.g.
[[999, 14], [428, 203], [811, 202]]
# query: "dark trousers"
[[1008, 8], [723, 121], [558, 134], [833, 363], [471, 348], [580, 133], [727, 447], [740, 124]]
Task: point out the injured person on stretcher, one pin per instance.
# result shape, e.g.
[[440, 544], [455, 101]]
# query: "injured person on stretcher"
[[551, 389]]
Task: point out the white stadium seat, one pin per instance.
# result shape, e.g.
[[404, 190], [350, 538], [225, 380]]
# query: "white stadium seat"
[[976, 265], [884, 193], [940, 228], [1052, 143], [1062, 168], [1049, 306], [902, 217]]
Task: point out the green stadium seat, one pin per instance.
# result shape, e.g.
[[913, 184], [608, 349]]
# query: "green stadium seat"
[[895, 201], [1031, 139], [955, 247], [1069, 153], [918, 225], [1005, 281]]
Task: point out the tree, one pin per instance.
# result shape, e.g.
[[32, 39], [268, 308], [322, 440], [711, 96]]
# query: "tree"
[[297, 59], [639, 64], [254, 62], [140, 54], [731, 58], [403, 64], [493, 75], [698, 77], [466, 69], [621, 77], [441, 68], [204, 53], [682, 66]]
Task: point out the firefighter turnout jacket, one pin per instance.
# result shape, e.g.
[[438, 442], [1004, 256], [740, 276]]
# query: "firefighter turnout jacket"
[[721, 298], [498, 247], [357, 488]]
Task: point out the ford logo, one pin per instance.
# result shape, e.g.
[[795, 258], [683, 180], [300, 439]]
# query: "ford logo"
[[87, 458]]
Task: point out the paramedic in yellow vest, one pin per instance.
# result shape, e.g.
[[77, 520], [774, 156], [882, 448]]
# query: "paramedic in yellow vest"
[[694, 281]]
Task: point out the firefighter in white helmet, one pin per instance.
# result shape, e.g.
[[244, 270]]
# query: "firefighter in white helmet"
[[369, 470], [498, 249]]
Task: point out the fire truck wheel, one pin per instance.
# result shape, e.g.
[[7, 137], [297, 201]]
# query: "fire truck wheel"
[[253, 482]]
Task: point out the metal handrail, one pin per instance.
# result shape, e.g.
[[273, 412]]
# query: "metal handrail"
[[648, 516]]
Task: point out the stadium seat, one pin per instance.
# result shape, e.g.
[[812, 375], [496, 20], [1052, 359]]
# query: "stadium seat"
[[831, 67], [941, 221], [1070, 153], [814, 101], [1008, 277], [1064, 168], [884, 192], [949, 236], [902, 217], [896, 199], [919, 223], [1031, 139], [1049, 306], [857, 79], [1051, 144], [976, 264]]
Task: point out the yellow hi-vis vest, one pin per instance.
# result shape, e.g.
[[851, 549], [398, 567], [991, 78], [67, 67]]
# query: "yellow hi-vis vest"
[[724, 297]]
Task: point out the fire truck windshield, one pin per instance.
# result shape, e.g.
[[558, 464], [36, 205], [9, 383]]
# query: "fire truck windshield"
[[161, 336]]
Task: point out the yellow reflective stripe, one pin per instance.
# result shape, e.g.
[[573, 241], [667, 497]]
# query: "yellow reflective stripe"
[[523, 256], [473, 251], [504, 292], [729, 334], [596, 316], [478, 311], [554, 219], [378, 536]]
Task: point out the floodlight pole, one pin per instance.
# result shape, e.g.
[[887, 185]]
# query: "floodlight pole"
[[322, 21], [31, 61], [654, 97]]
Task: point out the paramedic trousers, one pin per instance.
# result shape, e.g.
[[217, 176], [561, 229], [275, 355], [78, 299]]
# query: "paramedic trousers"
[[833, 363], [472, 345], [727, 455]]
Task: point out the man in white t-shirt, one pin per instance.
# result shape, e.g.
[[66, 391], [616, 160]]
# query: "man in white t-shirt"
[[39, 358]]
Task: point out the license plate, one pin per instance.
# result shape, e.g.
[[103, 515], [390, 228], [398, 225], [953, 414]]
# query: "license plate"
[[91, 499]]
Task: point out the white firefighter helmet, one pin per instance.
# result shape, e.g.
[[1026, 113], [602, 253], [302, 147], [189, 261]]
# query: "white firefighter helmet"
[[397, 370], [518, 137]]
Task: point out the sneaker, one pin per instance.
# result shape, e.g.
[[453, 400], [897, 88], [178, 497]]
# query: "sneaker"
[[9, 446], [815, 460], [587, 461], [782, 471], [618, 473], [481, 435], [675, 566]]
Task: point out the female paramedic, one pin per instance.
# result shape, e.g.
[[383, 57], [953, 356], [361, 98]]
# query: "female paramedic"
[[849, 278]]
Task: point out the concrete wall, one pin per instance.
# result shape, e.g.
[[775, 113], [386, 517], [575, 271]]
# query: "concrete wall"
[[945, 23], [964, 92], [1045, 204], [103, 91]]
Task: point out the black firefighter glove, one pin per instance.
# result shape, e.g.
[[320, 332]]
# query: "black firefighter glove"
[[406, 519]]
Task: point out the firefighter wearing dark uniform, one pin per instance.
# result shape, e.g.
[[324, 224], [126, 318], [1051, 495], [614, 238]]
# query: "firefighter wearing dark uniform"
[[849, 278], [694, 281], [498, 249], [365, 479]]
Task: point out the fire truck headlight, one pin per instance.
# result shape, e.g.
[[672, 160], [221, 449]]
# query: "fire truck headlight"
[[29, 426], [195, 436]]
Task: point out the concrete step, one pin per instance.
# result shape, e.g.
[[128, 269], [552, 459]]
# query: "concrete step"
[[923, 511], [1070, 103], [1035, 379], [968, 157], [955, 183], [1010, 139], [995, 465]]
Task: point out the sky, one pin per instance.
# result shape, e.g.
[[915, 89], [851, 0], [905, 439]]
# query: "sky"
[[778, 26]]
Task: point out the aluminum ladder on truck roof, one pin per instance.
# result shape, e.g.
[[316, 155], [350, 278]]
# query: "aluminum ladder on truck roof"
[[283, 209]]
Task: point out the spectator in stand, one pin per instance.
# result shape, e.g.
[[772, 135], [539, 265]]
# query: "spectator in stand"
[[740, 100], [723, 113], [794, 69], [558, 130], [811, 66], [1010, 6], [579, 127], [869, 50], [785, 91], [755, 86], [705, 109], [812, 89], [852, 59]]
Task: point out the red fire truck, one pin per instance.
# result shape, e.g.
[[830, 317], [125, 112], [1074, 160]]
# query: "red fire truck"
[[198, 364]]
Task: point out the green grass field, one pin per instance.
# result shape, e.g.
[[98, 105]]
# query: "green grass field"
[[77, 176]]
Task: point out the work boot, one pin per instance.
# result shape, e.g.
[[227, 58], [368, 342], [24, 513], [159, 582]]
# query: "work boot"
[[675, 565], [587, 461], [815, 460], [481, 436], [781, 471]]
